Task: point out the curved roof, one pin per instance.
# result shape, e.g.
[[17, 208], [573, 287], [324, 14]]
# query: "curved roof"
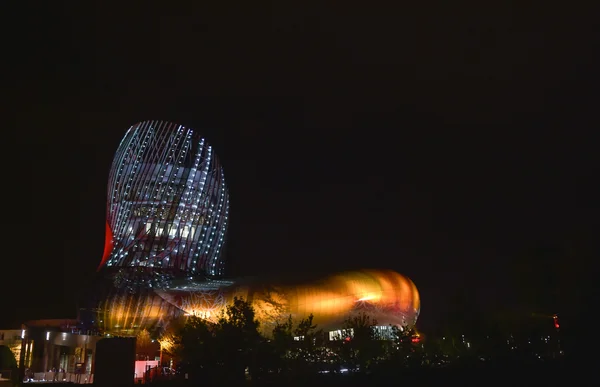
[[386, 295]]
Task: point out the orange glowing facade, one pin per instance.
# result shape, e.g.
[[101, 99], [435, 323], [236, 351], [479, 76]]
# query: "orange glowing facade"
[[167, 216], [387, 296]]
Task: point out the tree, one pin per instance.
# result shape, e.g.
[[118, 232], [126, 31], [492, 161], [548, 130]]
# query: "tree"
[[406, 351], [361, 347], [275, 357], [7, 358], [239, 316], [144, 347], [361, 326], [168, 344], [304, 355], [305, 329], [283, 337], [196, 347], [8, 362], [222, 350], [271, 309], [236, 338], [169, 339]]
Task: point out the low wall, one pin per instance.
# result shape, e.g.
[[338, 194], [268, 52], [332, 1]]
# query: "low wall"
[[69, 377]]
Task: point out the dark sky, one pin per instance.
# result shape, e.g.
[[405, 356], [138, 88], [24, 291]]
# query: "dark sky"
[[454, 144]]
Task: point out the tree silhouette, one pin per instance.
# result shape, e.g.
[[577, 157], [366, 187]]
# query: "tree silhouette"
[[406, 347], [7, 358], [283, 337], [169, 339], [304, 355], [305, 328], [144, 347], [196, 346], [270, 309], [237, 337], [8, 362], [360, 348], [277, 358], [361, 326]]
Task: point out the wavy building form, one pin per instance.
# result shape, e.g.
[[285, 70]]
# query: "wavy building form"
[[168, 204], [167, 217], [386, 296]]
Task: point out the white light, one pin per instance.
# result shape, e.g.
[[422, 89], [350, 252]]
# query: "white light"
[[23, 333], [47, 335]]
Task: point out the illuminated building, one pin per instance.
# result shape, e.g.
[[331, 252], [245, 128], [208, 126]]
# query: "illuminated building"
[[167, 204], [166, 223], [386, 296], [167, 217], [54, 350]]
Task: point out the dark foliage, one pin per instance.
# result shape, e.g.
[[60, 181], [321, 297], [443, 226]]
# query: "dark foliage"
[[231, 351]]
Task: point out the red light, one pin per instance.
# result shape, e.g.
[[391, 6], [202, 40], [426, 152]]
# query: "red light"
[[108, 245], [556, 325], [415, 339]]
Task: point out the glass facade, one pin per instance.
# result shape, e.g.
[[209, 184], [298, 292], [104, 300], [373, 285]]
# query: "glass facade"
[[167, 218], [167, 204]]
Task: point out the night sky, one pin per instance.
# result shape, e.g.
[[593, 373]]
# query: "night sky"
[[456, 146]]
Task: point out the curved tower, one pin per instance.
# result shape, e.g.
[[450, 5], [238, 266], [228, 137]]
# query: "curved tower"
[[167, 205]]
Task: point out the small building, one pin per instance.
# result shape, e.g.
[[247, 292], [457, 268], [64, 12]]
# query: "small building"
[[52, 350]]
